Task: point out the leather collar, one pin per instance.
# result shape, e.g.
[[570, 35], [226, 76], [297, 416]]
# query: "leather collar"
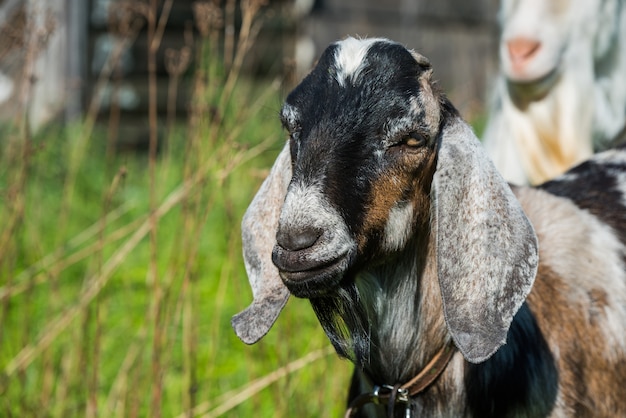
[[401, 393]]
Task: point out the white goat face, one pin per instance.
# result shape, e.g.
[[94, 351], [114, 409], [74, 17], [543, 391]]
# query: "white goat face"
[[540, 36], [359, 146]]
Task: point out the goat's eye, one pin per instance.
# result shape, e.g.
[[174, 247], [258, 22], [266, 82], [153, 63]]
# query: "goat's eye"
[[414, 140]]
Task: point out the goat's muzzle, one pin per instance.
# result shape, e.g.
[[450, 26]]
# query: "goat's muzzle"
[[311, 261]]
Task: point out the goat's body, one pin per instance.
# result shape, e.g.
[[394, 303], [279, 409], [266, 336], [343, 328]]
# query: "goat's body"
[[566, 351]]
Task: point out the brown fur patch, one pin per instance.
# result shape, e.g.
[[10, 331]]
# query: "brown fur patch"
[[591, 379], [403, 182]]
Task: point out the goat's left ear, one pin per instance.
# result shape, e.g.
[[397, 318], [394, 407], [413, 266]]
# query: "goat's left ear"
[[258, 230], [486, 247]]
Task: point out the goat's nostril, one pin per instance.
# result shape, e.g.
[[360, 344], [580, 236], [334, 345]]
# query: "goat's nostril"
[[300, 239]]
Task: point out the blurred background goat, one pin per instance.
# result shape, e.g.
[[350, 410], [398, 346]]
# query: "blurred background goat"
[[561, 91]]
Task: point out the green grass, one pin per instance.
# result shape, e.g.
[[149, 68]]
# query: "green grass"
[[119, 274], [66, 349]]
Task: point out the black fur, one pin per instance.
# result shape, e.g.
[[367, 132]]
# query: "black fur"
[[595, 186], [519, 380]]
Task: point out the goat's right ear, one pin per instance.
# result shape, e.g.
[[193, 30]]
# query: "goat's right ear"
[[487, 253], [258, 229]]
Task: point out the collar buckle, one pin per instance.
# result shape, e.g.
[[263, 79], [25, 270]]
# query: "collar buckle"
[[383, 393]]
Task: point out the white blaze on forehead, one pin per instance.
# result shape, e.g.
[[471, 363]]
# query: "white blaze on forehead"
[[350, 55]]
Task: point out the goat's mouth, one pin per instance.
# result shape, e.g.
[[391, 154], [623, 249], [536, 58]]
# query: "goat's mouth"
[[306, 276]]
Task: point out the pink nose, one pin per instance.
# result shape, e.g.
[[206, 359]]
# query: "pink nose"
[[522, 50]]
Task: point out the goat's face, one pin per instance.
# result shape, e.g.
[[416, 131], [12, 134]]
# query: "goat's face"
[[362, 129], [541, 39]]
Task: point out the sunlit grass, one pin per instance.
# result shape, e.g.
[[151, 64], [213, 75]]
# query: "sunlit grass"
[[119, 273], [63, 342]]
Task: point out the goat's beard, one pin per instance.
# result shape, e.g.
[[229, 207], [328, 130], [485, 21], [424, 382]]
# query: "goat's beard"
[[345, 322]]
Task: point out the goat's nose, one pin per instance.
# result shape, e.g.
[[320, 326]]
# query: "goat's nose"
[[299, 239], [522, 50]]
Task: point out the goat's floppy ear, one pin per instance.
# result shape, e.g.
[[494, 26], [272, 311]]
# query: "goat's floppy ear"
[[486, 247], [258, 229]]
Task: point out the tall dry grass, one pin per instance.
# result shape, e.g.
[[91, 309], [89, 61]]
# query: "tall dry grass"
[[119, 273]]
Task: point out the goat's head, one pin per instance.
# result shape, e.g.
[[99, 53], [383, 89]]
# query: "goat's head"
[[542, 39], [377, 158]]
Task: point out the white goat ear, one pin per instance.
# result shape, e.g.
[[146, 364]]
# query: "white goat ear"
[[486, 247], [258, 230]]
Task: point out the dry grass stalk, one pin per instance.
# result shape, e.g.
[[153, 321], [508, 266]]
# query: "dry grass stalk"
[[62, 258], [231, 399], [176, 63], [247, 34], [229, 34], [208, 17], [116, 400]]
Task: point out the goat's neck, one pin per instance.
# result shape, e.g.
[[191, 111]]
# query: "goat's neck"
[[404, 311]]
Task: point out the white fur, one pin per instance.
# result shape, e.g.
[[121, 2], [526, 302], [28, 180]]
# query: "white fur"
[[349, 58], [307, 205], [290, 115], [580, 66], [398, 229]]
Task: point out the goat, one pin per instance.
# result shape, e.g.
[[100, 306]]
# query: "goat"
[[386, 213], [560, 93]]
